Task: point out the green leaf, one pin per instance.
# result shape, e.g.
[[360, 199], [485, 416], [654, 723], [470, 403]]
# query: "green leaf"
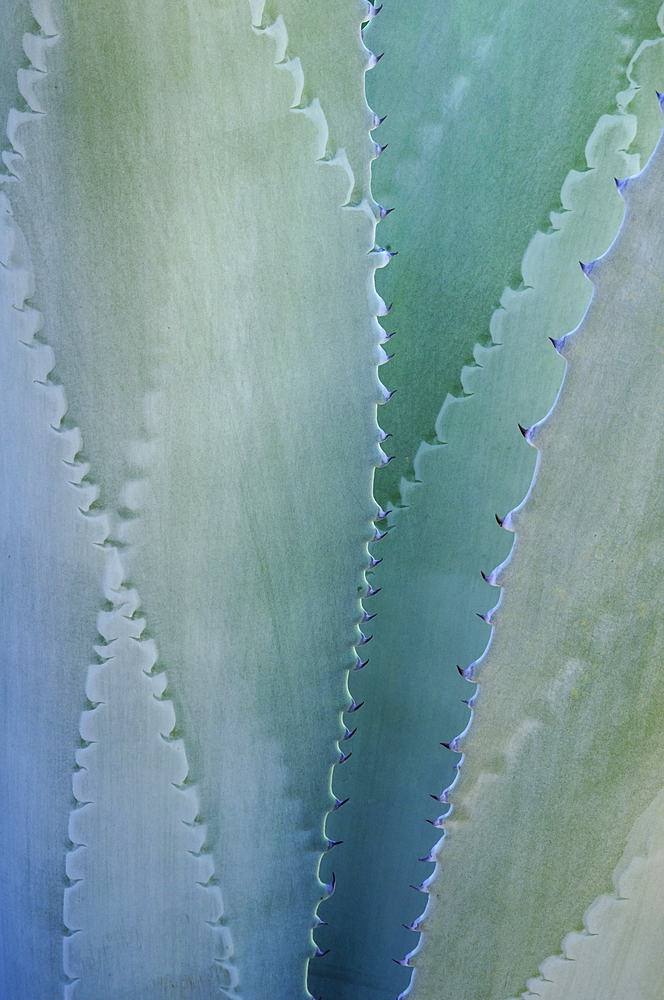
[[489, 106], [210, 304], [564, 752], [440, 541]]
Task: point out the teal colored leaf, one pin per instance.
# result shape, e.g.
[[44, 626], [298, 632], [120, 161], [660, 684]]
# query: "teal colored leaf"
[[564, 752], [489, 106], [439, 543]]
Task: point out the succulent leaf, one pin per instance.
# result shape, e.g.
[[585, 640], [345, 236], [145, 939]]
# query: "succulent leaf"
[[443, 536], [489, 106], [209, 301], [564, 753]]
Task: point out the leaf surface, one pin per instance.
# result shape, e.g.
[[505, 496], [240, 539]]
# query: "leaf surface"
[[439, 542], [564, 752], [210, 305]]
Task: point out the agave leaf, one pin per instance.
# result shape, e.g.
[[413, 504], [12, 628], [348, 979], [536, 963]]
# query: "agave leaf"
[[489, 106], [565, 749], [618, 954], [49, 599], [211, 308], [439, 541]]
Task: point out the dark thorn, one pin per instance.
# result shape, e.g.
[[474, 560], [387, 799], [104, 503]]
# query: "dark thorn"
[[377, 10], [388, 459], [331, 885], [439, 798], [587, 268], [391, 303], [419, 888], [367, 618], [381, 120], [389, 357], [499, 520], [428, 860], [378, 535], [374, 562], [467, 701], [320, 923], [349, 733], [411, 927], [354, 706], [359, 664], [393, 253], [364, 639], [333, 843], [524, 430], [373, 591], [384, 437], [485, 618], [484, 576], [403, 962], [383, 148], [378, 58], [338, 803], [459, 669], [319, 953], [451, 746], [344, 757], [387, 336], [620, 184], [389, 395]]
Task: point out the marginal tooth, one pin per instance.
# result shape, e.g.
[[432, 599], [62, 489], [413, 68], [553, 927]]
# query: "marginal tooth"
[[453, 745], [621, 185], [373, 60]]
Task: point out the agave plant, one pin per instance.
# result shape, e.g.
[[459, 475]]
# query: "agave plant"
[[194, 543]]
